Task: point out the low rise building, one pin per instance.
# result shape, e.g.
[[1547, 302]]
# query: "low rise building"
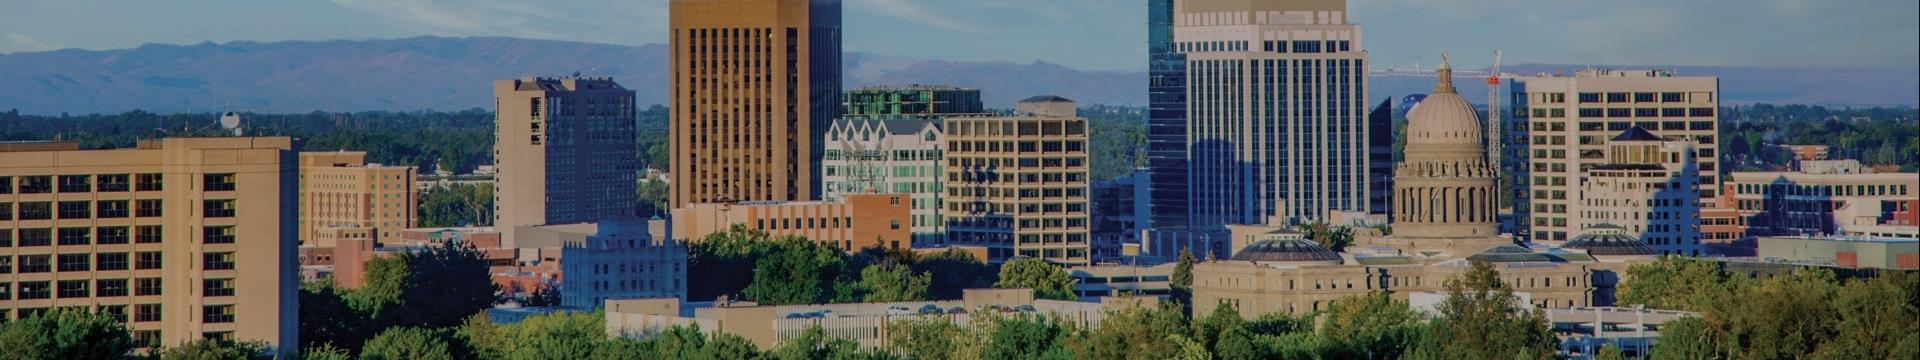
[[1825, 198], [867, 324], [181, 238], [616, 259], [1842, 251], [857, 222], [1095, 282]]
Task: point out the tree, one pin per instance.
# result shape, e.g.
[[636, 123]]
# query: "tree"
[[889, 282], [210, 349], [325, 352], [66, 333], [955, 270], [407, 343], [1136, 332], [1479, 303], [1028, 337], [1609, 352], [1181, 283], [327, 320], [1676, 283], [815, 344], [1685, 338], [1371, 325], [926, 338], [1237, 343], [720, 257], [1877, 318], [1047, 280], [1188, 349], [561, 335], [436, 288], [797, 271], [1334, 238]]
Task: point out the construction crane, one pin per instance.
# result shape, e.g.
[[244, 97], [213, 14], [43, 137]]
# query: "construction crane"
[[1495, 137]]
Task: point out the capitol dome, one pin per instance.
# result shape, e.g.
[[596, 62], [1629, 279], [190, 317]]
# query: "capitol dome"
[[1444, 118]]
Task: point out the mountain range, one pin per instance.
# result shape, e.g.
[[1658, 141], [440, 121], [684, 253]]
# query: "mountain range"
[[454, 73]]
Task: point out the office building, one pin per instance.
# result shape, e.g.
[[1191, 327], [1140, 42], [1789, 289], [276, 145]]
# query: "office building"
[[901, 156], [755, 85], [1648, 186], [1018, 184], [1560, 127], [616, 259], [1831, 197], [1380, 159], [339, 190], [1119, 205], [857, 221], [1275, 110], [912, 101], [182, 238], [565, 152], [1166, 129]]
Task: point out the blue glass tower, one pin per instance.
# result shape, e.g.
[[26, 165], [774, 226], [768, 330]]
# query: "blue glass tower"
[[1166, 122]]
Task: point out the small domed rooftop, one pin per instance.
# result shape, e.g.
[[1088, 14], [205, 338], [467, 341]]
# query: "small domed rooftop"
[[1290, 250], [1609, 240]]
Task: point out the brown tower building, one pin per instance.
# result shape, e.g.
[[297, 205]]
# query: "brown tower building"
[[755, 84]]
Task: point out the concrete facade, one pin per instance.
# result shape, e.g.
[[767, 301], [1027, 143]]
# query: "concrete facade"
[[1018, 184], [865, 323], [1275, 110], [340, 190], [616, 259], [1828, 198], [901, 156], [565, 152], [1648, 187], [185, 238], [857, 222], [755, 84], [1563, 123], [1851, 252]]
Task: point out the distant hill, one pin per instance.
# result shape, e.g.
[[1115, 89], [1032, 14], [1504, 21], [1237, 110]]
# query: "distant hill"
[[454, 73]]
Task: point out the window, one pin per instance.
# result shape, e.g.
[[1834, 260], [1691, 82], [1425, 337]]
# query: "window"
[[216, 314], [216, 287], [31, 264], [147, 208], [146, 260], [36, 184], [1589, 98], [76, 262], [36, 210], [218, 208], [6, 238], [111, 235], [6, 293], [1616, 97], [6, 186], [218, 182], [112, 183], [76, 209], [217, 235], [1643, 97], [35, 290], [146, 287], [36, 237], [73, 289], [6, 211], [110, 261], [146, 234], [6, 264], [76, 183], [147, 313], [217, 261], [1671, 97], [111, 209], [76, 236], [147, 182], [117, 312]]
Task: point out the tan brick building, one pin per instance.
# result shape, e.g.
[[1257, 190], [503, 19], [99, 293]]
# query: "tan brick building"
[[755, 85], [186, 238], [340, 191], [565, 152], [1018, 184], [856, 222]]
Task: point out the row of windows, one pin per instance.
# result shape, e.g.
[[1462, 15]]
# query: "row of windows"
[[44, 184], [1822, 190], [79, 289], [106, 235], [80, 262], [82, 209]]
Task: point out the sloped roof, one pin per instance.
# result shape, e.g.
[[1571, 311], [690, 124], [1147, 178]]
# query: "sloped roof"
[[1285, 250], [1044, 98], [1509, 253], [1609, 240], [1637, 133]]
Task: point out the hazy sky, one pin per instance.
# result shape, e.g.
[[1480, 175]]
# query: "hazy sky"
[[1089, 34]]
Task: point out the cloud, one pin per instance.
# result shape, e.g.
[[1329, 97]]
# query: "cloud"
[[16, 42], [911, 11]]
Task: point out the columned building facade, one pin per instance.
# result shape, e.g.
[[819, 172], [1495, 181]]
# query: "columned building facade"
[[1445, 187]]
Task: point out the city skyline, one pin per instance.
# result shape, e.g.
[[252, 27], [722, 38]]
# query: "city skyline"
[[1086, 34]]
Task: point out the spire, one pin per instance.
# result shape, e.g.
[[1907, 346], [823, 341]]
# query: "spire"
[[1445, 73]]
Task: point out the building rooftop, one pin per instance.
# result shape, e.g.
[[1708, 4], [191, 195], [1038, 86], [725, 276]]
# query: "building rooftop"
[[1609, 240], [1637, 133], [1288, 250]]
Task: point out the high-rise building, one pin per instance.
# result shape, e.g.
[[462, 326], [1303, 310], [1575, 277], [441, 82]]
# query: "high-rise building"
[[1017, 184], [1646, 187], [755, 85], [339, 191], [914, 101], [181, 238], [1166, 129], [1561, 125], [1380, 158], [899, 156], [1275, 110], [565, 152]]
